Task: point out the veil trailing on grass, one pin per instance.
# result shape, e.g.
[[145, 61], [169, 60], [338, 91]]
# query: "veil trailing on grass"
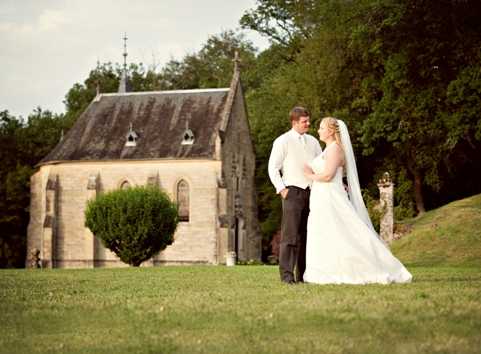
[[354, 189]]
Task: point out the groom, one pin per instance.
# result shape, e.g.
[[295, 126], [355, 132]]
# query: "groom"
[[290, 152]]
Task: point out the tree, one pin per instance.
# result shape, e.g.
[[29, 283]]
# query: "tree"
[[317, 76], [212, 66], [135, 223], [24, 144], [286, 23], [411, 118], [402, 74], [12, 211]]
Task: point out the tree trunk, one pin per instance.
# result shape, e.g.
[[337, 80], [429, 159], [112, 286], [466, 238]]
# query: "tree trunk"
[[418, 182], [418, 192]]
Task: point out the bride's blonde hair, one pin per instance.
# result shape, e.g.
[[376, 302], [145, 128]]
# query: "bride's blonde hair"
[[333, 125]]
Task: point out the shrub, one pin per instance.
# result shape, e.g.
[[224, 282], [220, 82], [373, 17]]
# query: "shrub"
[[135, 223], [374, 209]]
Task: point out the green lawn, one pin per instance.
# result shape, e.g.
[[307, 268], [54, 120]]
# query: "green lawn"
[[243, 309], [449, 235]]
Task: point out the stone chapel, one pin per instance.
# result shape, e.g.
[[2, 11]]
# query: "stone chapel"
[[194, 144]]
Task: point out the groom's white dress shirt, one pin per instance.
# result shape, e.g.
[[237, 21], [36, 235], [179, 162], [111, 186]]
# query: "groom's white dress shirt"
[[290, 152]]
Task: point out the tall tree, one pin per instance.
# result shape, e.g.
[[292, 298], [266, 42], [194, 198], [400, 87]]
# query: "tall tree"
[[25, 144], [419, 43], [212, 66], [403, 74]]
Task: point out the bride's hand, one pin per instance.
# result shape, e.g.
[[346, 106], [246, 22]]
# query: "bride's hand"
[[308, 171]]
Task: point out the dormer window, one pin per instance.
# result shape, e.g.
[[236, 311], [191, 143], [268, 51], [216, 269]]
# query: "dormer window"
[[131, 137], [188, 138]]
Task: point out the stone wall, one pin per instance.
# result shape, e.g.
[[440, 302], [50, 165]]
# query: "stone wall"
[[72, 245], [238, 175]]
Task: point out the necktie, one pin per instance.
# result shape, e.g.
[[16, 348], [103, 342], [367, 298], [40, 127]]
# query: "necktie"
[[303, 140]]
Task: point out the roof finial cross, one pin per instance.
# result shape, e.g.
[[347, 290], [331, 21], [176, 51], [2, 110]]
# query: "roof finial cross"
[[97, 80], [236, 61], [125, 51]]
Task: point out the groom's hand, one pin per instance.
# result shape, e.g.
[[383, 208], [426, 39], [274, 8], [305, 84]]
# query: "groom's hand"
[[284, 193]]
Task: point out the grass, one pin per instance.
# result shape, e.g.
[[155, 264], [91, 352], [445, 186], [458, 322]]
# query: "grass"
[[243, 309], [450, 235]]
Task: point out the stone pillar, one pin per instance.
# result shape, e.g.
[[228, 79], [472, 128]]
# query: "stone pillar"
[[49, 232], [231, 204], [386, 205], [92, 250], [239, 227], [223, 221], [154, 180]]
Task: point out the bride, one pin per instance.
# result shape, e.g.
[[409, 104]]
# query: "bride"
[[342, 245]]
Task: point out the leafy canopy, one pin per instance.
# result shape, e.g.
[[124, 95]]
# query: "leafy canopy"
[[134, 223]]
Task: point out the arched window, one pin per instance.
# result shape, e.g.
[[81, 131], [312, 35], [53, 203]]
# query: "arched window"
[[183, 200], [125, 185]]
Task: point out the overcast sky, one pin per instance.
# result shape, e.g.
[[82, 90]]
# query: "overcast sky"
[[48, 45]]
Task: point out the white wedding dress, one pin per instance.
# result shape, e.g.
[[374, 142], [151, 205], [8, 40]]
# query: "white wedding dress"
[[341, 247]]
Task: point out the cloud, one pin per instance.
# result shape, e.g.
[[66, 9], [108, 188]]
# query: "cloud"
[[51, 20], [49, 45], [48, 20], [16, 28]]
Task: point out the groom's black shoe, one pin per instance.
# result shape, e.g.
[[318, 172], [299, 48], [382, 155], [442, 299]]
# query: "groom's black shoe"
[[289, 282]]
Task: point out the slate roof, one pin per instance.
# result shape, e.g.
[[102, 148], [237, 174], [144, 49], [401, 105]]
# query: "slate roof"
[[159, 119]]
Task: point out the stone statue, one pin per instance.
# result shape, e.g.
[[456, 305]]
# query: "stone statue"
[[386, 205], [34, 259]]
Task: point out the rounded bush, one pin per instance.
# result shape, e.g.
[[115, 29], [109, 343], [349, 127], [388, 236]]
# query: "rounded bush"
[[135, 223]]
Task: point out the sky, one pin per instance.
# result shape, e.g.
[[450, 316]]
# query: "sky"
[[46, 46]]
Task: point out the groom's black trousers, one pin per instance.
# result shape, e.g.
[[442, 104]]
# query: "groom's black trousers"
[[292, 256]]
